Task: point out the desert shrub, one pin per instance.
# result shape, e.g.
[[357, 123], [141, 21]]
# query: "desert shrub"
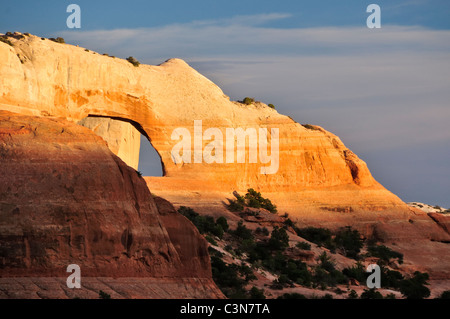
[[58, 40], [288, 222], [9, 34], [256, 293], [133, 61], [391, 278], [303, 245], [338, 291], [385, 254], [326, 274], [279, 239], [251, 199], [228, 248], [255, 200], [276, 285], [293, 295], [352, 294], [271, 106], [222, 221], [319, 236], [204, 224], [246, 272], [247, 245], [414, 287], [242, 231], [211, 240], [284, 280], [4, 39], [262, 231], [248, 100], [310, 127], [275, 263], [27, 34], [214, 252], [265, 231], [298, 272], [227, 278], [349, 241], [322, 279], [445, 295], [188, 212], [371, 294], [103, 295], [236, 205], [357, 272]]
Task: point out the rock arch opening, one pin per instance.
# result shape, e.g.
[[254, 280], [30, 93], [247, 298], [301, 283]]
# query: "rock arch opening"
[[128, 140], [150, 163]]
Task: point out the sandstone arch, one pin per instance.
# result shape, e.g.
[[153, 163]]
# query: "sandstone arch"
[[316, 174], [122, 136]]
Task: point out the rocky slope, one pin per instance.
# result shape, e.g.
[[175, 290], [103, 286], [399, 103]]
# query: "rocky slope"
[[66, 199], [429, 208]]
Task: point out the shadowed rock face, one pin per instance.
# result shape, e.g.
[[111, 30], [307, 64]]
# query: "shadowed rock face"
[[66, 199], [122, 138]]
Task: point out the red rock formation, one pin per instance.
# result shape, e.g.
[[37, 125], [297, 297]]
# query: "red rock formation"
[[66, 199]]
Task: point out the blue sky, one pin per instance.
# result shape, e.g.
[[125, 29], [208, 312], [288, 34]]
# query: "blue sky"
[[47, 17], [385, 92]]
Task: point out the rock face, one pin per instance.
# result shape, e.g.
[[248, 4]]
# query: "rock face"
[[66, 199], [122, 138]]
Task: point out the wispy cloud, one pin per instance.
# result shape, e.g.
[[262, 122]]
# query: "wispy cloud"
[[244, 20]]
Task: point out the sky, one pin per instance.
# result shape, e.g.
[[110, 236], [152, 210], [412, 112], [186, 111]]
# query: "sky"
[[385, 92]]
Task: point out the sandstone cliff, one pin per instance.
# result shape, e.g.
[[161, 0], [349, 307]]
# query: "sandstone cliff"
[[66, 199]]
